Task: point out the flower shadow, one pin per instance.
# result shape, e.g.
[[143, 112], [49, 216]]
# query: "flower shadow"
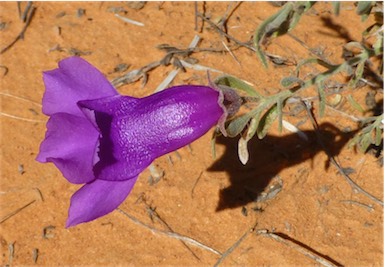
[[268, 157]]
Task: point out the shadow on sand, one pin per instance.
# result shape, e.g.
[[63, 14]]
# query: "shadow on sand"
[[267, 158]]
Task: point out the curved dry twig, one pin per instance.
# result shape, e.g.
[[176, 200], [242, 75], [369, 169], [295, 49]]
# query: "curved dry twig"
[[303, 250], [234, 246], [353, 184], [28, 19], [170, 234]]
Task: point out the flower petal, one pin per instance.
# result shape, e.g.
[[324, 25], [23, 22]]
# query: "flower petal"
[[74, 80], [112, 106], [70, 143], [150, 127], [96, 199]]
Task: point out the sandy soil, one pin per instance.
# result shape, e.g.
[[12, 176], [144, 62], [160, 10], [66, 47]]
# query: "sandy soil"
[[306, 206]]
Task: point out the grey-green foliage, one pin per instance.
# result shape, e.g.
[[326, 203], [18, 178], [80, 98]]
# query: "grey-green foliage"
[[280, 23], [364, 8], [371, 134], [259, 119], [269, 108], [237, 84]]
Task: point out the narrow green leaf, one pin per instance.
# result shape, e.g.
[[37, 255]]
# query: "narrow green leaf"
[[322, 98], [336, 7], [378, 46], [358, 74], [280, 114], [354, 45], [237, 125], [213, 149], [252, 129], [364, 7], [236, 83], [312, 61], [378, 136], [266, 121], [267, 26], [284, 16], [354, 103], [261, 56], [300, 7], [370, 134], [278, 24], [354, 142], [365, 142], [289, 81]]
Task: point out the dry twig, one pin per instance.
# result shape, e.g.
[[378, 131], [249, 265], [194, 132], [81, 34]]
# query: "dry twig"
[[234, 246], [16, 211], [28, 17], [314, 255], [154, 214], [171, 234], [171, 54], [333, 160], [352, 202], [221, 32]]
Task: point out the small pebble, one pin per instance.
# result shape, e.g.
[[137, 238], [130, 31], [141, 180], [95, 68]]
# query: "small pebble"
[[60, 15], [80, 12], [20, 169]]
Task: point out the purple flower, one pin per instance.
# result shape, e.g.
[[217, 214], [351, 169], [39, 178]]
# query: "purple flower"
[[99, 138]]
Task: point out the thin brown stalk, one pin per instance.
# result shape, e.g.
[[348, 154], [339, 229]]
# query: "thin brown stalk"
[[170, 234], [310, 253], [21, 34], [353, 184]]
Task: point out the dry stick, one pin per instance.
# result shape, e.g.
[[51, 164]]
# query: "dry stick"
[[35, 255], [231, 53], [222, 24], [16, 211], [196, 17], [135, 75], [319, 55], [368, 207], [195, 184], [353, 118], [24, 16], [198, 67], [11, 249], [220, 31], [5, 68], [332, 159], [228, 13], [39, 193], [20, 98], [299, 248], [19, 118], [19, 9], [165, 83], [21, 34], [170, 234], [190, 50], [308, 48], [127, 20], [163, 222], [235, 245]]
